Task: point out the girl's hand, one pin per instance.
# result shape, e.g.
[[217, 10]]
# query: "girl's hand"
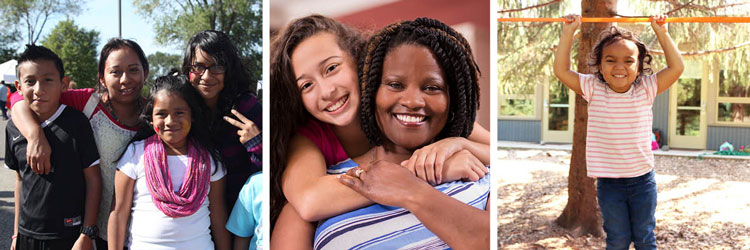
[[13, 243], [427, 162], [248, 129], [384, 183], [463, 166], [571, 23], [658, 23]]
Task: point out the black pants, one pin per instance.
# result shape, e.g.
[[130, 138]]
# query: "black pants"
[[5, 112], [100, 244], [24, 242]]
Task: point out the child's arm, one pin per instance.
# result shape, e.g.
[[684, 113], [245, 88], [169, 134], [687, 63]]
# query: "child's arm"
[[669, 75], [17, 208], [93, 194], [241, 242], [463, 166], [427, 162], [562, 54], [313, 193], [118, 218], [218, 215], [38, 150], [291, 231]]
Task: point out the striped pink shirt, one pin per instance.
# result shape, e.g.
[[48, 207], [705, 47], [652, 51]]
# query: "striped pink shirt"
[[618, 144]]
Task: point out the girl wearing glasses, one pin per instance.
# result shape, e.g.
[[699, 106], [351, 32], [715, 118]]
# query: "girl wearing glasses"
[[215, 69]]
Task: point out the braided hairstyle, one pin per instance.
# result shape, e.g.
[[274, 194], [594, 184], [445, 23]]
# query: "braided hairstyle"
[[454, 56], [286, 98], [610, 36]]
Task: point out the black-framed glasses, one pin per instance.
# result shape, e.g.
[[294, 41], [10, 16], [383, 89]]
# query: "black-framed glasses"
[[200, 69]]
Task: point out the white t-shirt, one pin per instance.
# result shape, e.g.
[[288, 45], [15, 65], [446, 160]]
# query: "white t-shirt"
[[149, 227]]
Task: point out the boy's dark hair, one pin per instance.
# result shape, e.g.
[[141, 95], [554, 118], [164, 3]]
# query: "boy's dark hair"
[[36, 52], [612, 35], [454, 56], [286, 99]]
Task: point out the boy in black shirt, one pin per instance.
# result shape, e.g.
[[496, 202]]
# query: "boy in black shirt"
[[57, 210]]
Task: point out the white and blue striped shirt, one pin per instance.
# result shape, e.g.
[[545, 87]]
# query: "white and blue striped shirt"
[[384, 227]]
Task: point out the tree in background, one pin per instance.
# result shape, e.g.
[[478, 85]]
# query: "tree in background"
[[525, 54], [161, 63], [33, 14], [8, 45], [177, 21], [77, 48]]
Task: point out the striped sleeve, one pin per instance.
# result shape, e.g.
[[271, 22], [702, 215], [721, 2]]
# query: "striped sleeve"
[[651, 86], [587, 85]]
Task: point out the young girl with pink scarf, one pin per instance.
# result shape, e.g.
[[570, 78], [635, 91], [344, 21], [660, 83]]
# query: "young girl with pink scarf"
[[163, 181]]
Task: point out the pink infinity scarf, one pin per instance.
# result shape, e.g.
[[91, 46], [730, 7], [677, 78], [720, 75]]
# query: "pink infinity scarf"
[[191, 195]]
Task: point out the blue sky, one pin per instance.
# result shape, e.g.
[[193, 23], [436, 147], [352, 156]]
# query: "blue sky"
[[102, 16]]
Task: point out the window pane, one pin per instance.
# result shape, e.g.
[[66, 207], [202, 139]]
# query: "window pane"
[[558, 93], [734, 112], [733, 84], [688, 122], [689, 92], [558, 118]]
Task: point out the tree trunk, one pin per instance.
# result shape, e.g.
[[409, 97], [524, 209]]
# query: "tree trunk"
[[581, 214]]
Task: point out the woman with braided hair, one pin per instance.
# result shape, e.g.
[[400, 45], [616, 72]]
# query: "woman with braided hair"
[[414, 128], [419, 85]]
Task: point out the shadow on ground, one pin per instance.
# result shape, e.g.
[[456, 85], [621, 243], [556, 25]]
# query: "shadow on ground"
[[693, 212]]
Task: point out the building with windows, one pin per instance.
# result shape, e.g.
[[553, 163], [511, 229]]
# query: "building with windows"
[[705, 108]]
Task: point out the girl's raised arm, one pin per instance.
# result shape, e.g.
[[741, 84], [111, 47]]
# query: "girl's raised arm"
[[309, 189], [562, 54], [669, 75]]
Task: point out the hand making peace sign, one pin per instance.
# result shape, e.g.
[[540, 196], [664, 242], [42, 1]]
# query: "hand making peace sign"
[[247, 128]]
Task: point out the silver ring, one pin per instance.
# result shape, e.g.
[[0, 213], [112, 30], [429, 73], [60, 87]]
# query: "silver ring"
[[358, 172]]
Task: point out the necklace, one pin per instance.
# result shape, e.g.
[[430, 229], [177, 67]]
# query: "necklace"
[[108, 105]]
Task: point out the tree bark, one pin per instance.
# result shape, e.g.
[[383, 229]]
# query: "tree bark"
[[581, 215]]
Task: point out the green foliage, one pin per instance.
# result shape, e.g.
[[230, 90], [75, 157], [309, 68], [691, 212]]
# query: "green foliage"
[[77, 48], [517, 107], [35, 13], [525, 50], [161, 63], [177, 21], [8, 45]]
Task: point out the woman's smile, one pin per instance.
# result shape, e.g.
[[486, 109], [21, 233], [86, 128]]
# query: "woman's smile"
[[411, 104]]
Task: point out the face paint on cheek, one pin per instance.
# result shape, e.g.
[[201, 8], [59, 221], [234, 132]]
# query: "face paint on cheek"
[[156, 128], [192, 76]]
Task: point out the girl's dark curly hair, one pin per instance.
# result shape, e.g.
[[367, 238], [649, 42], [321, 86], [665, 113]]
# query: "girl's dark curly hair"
[[454, 56], [286, 99], [236, 78], [612, 35]]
